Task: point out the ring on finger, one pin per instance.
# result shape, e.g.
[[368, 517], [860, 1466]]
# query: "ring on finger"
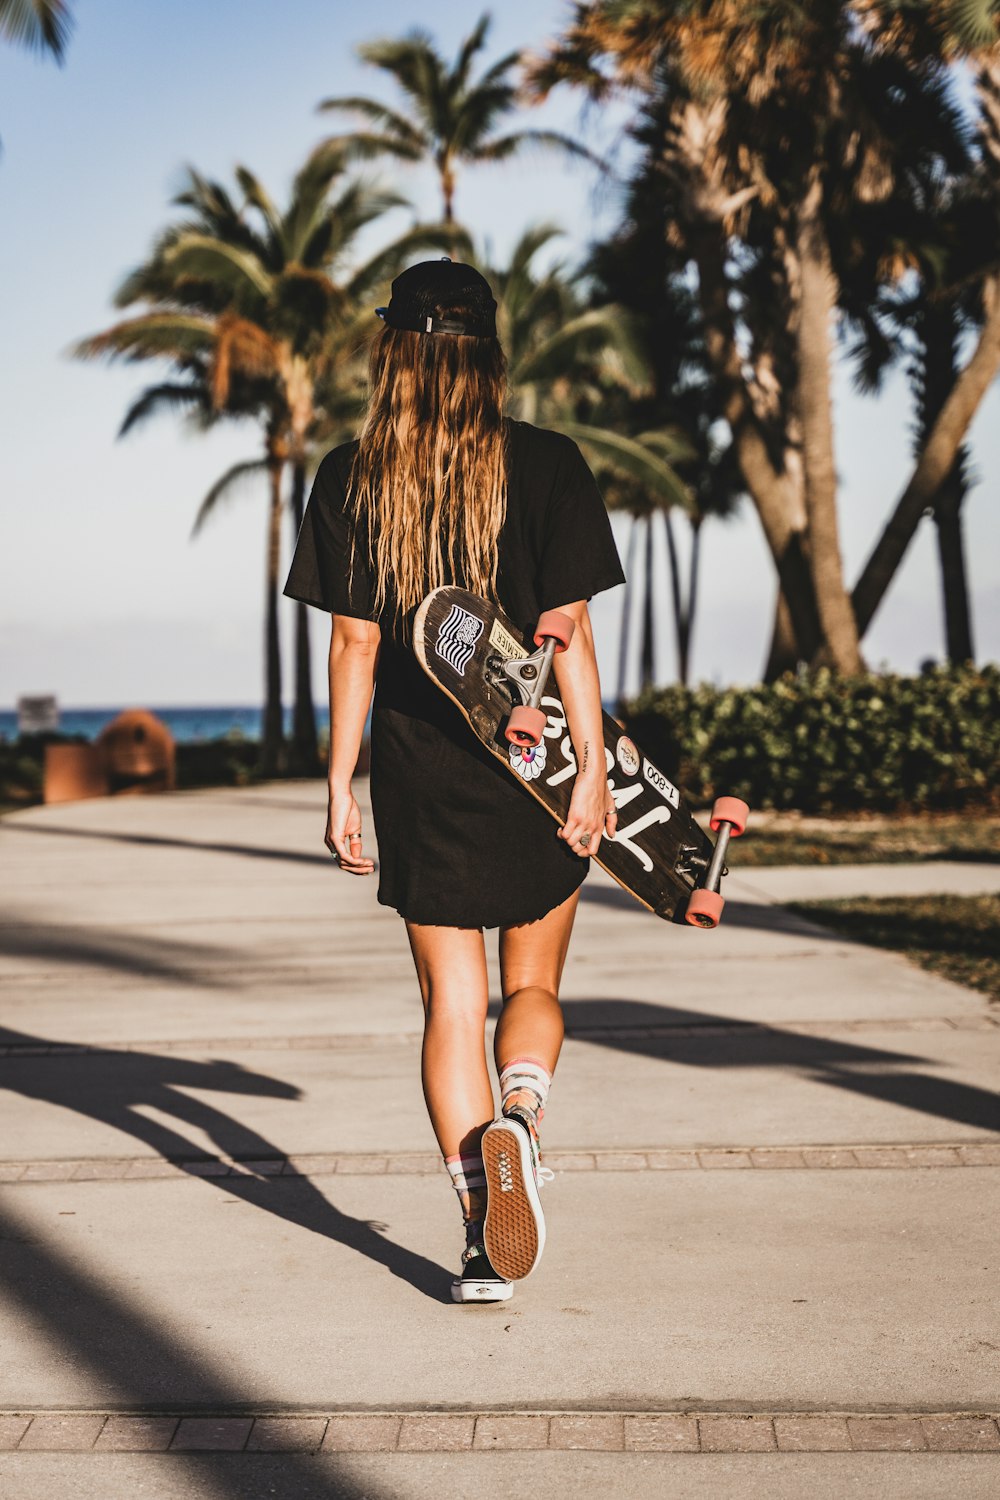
[[583, 840]]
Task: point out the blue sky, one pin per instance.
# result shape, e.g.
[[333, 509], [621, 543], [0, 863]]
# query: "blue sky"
[[103, 597]]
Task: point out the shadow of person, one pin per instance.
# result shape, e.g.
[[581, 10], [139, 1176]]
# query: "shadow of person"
[[115, 1088]]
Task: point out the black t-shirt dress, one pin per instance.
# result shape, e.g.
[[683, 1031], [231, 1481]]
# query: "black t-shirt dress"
[[460, 844]]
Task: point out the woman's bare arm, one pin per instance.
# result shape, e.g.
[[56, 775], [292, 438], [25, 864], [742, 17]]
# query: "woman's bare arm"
[[591, 809], [354, 648]]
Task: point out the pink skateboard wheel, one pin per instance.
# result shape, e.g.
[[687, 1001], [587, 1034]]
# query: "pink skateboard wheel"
[[731, 810], [704, 908], [525, 726], [554, 625]]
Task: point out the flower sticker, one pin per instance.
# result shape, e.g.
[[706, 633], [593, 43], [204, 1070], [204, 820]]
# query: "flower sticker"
[[528, 760]]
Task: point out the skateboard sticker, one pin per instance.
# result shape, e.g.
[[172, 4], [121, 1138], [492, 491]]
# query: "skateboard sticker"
[[659, 781], [457, 638], [505, 643], [628, 756], [528, 760]]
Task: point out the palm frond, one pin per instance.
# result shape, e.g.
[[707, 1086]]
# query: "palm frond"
[[505, 146], [168, 396], [225, 488], [38, 25], [631, 457], [201, 255], [149, 336]]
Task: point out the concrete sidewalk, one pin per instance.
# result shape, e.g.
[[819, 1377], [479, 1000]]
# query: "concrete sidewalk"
[[772, 1229]]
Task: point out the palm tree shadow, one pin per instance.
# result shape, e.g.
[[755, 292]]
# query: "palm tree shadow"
[[127, 1083], [706, 1041]]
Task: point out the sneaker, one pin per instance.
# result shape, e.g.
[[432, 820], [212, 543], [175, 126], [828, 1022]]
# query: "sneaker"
[[514, 1233], [478, 1281]]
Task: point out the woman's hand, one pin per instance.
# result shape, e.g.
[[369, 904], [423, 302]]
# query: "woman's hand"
[[591, 812], [343, 833]]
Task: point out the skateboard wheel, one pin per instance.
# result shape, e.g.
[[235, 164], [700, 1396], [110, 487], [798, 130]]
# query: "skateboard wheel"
[[554, 625], [731, 810], [704, 908], [525, 726]]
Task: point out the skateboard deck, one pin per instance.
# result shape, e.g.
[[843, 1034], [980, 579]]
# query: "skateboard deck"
[[659, 853]]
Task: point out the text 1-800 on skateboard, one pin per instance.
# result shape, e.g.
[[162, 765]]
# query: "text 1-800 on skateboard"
[[508, 695]]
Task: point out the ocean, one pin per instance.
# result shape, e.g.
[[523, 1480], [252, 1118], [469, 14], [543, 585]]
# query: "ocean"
[[187, 725]]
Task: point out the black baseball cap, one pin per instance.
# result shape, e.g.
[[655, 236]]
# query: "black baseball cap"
[[423, 292]]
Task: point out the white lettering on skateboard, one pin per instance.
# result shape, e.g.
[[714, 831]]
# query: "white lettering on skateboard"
[[626, 836], [622, 796], [457, 637], [659, 781], [569, 769]]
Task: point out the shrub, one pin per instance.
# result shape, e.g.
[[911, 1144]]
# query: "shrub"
[[821, 743]]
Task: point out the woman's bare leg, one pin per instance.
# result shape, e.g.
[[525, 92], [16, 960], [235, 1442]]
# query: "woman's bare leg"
[[531, 964], [451, 970]]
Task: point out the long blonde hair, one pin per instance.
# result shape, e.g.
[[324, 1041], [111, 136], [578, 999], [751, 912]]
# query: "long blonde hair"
[[429, 481]]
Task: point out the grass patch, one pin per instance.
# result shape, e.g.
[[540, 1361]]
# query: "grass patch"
[[786, 839], [957, 937]]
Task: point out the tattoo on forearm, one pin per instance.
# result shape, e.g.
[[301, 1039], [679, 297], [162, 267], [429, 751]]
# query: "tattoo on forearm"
[[586, 754]]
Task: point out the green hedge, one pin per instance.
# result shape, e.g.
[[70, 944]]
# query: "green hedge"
[[821, 743]]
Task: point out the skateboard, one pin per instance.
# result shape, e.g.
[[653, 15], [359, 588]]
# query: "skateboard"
[[507, 693]]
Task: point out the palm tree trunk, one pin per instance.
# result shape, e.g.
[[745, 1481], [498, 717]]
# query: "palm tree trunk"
[[771, 492], [305, 747], [933, 464], [676, 596], [783, 653], [954, 578], [623, 639], [273, 738], [647, 652], [817, 291], [691, 604]]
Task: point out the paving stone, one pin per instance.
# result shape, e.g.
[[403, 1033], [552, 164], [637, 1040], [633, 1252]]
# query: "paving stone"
[[208, 1168], [586, 1431], [361, 1434], [309, 1166], [100, 1171], [715, 1159], [672, 1161], [54, 1434], [961, 1434], [286, 1435], [570, 1161], [736, 1434], [661, 1433], [271, 1167], [511, 1432], [933, 1156], [811, 1434], [829, 1156], [980, 1156], [357, 1165], [11, 1171], [212, 1434], [888, 1434], [438, 1434], [404, 1166], [777, 1157], [620, 1161], [155, 1168], [12, 1430], [882, 1156], [136, 1434], [49, 1171]]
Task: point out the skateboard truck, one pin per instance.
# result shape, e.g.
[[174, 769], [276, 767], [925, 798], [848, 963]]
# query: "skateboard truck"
[[530, 675], [728, 820]]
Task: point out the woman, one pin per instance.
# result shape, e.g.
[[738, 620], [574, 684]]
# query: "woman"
[[441, 488]]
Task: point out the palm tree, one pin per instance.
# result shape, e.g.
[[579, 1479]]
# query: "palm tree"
[[39, 25], [782, 122], [249, 300], [446, 117]]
